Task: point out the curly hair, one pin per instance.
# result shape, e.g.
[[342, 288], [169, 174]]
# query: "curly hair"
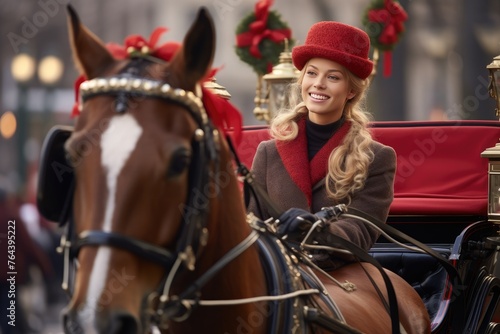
[[348, 163]]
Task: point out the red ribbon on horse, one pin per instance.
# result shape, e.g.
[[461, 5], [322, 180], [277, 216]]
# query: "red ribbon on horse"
[[137, 44]]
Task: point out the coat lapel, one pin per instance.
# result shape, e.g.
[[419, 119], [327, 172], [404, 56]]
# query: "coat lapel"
[[294, 156]]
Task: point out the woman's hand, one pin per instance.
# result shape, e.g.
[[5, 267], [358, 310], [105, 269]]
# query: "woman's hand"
[[294, 222]]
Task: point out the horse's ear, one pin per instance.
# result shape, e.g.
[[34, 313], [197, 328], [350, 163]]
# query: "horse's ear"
[[198, 49], [89, 52]]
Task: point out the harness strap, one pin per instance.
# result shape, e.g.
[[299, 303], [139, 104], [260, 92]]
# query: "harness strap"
[[196, 208], [312, 280], [454, 277], [65, 247], [249, 185], [272, 272], [361, 254], [174, 306], [148, 251], [319, 318], [281, 279]]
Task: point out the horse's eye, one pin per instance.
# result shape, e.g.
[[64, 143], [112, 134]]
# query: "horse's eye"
[[179, 162]]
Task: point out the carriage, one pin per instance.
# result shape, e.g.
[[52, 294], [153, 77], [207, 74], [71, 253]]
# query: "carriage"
[[438, 239], [441, 199]]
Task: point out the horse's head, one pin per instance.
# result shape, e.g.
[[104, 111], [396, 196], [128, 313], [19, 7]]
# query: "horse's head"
[[141, 146]]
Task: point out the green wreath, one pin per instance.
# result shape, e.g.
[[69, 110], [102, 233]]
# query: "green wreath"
[[270, 50], [383, 21]]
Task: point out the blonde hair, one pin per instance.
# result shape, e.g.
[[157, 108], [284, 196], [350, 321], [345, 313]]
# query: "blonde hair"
[[348, 163]]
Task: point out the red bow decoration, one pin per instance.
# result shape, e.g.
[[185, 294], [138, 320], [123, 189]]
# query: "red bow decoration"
[[222, 113], [134, 44], [259, 30], [137, 45], [391, 16]]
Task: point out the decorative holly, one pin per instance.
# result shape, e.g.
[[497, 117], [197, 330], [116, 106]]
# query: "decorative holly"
[[383, 20], [260, 38]]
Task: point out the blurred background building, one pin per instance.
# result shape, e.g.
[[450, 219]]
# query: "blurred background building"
[[439, 67]]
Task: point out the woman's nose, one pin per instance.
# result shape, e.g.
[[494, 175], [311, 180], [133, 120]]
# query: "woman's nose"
[[319, 83]]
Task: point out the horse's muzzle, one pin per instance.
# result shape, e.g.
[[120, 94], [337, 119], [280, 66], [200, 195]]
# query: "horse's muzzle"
[[116, 322]]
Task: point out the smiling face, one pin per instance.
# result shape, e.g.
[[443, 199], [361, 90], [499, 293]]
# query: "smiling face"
[[325, 90]]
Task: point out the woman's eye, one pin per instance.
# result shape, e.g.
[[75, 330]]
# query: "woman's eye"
[[179, 162]]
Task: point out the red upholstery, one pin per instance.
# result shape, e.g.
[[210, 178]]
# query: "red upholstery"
[[440, 170]]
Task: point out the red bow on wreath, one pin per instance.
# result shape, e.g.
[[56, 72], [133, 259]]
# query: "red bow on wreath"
[[391, 16], [259, 30]]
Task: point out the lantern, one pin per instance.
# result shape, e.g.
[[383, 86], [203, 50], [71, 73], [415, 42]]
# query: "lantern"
[[493, 153], [278, 81], [494, 87]]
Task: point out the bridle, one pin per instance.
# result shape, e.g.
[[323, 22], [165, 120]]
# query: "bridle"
[[193, 234], [205, 151]]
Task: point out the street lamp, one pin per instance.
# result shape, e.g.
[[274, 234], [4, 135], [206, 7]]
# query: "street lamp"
[[22, 70], [494, 87], [50, 71], [493, 153], [8, 125]]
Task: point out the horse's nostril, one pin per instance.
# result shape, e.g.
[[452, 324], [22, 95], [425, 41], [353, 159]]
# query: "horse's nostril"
[[123, 323]]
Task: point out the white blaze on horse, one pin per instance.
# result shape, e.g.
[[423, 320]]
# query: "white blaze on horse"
[[161, 235]]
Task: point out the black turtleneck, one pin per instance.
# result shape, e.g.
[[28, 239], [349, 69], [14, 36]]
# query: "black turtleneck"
[[319, 134]]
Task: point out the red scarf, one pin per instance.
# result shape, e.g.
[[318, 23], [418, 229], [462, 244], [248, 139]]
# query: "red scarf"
[[304, 173]]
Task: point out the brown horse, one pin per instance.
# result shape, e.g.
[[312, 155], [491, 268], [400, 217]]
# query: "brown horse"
[[162, 238]]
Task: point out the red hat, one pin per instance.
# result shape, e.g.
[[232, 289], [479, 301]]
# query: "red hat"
[[342, 43]]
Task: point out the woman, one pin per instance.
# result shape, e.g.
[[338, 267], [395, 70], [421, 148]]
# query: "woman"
[[322, 153]]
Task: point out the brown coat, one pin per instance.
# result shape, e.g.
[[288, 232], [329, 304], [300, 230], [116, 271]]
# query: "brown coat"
[[374, 199]]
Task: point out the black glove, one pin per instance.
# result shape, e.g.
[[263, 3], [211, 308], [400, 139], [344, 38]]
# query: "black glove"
[[330, 212], [294, 222]]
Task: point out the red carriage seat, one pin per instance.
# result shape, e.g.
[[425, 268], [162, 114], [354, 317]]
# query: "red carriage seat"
[[440, 170]]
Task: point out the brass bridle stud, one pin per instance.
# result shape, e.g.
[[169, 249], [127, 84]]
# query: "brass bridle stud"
[[199, 134]]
